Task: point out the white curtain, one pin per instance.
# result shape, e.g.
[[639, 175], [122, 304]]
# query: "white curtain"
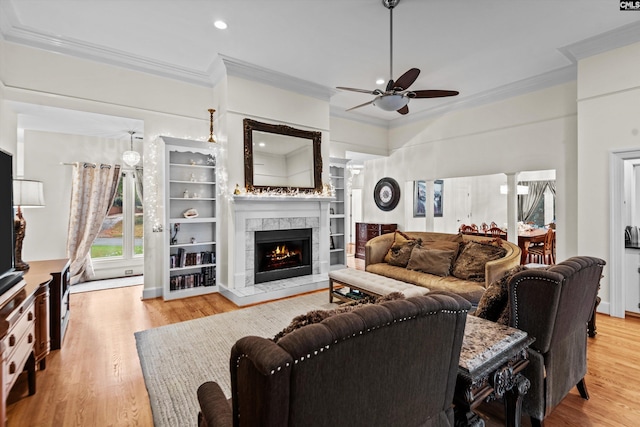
[[528, 202], [139, 175], [93, 190]]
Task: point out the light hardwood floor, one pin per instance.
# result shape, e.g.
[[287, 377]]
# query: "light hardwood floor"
[[96, 379]]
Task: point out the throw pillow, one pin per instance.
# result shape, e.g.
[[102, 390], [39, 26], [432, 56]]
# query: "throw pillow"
[[445, 237], [317, 316], [398, 238], [474, 255], [432, 261], [400, 253], [443, 245], [494, 303]]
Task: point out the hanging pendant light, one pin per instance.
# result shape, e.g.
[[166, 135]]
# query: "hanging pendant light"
[[131, 157]]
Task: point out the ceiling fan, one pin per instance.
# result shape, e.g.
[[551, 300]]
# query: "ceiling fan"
[[396, 95]]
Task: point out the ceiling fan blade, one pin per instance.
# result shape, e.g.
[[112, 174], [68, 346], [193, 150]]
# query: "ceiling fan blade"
[[432, 93], [361, 105], [370, 92], [404, 110], [389, 86], [407, 79]]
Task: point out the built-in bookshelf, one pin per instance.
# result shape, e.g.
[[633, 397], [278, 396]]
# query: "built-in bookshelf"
[[191, 219], [338, 214]]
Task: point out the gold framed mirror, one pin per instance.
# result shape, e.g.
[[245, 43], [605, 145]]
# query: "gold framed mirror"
[[281, 157]]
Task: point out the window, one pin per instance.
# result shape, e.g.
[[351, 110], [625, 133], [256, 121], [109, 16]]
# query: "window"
[[121, 234]]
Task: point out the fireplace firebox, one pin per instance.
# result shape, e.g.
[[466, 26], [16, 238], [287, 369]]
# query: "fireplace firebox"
[[280, 254]]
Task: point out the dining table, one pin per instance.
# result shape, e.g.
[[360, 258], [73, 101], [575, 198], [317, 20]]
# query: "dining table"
[[526, 238]]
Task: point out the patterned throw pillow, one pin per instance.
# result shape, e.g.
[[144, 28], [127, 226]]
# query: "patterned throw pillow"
[[398, 238], [317, 316], [494, 303], [432, 261], [400, 253], [474, 255]]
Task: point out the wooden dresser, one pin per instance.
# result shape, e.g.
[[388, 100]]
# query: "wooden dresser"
[[24, 333], [367, 231]]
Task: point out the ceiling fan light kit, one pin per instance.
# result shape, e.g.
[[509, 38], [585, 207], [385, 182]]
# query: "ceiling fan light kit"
[[396, 96], [391, 102]]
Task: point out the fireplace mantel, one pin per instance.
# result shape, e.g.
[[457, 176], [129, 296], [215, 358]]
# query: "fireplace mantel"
[[256, 213]]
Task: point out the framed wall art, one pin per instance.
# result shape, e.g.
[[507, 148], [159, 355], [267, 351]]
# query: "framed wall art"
[[419, 199], [438, 200]]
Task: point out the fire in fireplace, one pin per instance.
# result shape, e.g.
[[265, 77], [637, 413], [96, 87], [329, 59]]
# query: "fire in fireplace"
[[280, 254]]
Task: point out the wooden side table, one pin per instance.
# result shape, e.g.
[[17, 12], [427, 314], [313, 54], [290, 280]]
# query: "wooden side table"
[[491, 362], [57, 271]]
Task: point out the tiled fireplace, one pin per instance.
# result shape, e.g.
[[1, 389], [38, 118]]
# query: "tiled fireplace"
[[256, 215], [281, 254]]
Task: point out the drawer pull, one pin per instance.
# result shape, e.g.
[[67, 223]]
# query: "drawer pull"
[[30, 339], [30, 316], [21, 310], [12, 340], [12, 368]]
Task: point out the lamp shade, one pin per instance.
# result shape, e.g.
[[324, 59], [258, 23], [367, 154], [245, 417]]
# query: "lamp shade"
[[28, 194]]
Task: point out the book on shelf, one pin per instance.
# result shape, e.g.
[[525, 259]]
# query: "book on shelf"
[[206, 277], [186, 259]]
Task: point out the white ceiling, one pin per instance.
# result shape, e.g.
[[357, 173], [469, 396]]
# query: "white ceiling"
[[482, 48]]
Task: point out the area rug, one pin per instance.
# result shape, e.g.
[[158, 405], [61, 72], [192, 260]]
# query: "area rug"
[[177, 358]]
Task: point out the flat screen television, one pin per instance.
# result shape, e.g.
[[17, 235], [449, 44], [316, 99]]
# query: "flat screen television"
[[8, 276]]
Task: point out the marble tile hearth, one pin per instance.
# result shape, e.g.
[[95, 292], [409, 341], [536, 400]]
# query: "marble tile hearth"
[[276, 289]]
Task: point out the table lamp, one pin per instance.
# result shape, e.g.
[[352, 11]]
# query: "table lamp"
[[26, 194]]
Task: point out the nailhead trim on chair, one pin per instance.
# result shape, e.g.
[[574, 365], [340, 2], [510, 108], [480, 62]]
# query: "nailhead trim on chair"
[[326, 347]]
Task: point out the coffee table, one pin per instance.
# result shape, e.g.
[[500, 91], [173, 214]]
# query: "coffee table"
[[491, 361]]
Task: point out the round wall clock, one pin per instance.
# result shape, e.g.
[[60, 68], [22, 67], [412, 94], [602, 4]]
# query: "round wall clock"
[[387, 194]]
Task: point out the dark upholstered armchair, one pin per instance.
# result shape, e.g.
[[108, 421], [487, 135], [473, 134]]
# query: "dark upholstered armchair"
[[386, 364], [554, 305]]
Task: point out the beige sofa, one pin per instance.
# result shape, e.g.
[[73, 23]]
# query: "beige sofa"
[[376, 249]]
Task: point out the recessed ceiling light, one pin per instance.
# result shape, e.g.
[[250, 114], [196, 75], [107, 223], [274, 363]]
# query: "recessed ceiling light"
[[380, 81], [262, 144], [221, 25]]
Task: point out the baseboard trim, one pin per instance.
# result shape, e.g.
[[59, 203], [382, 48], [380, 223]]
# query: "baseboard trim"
[[150, 293], [604, 308]]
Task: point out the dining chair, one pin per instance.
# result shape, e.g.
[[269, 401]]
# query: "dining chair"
[[474, 227], [493, 225], [497, 232], [467, 229], [544, 254], [484, 227]]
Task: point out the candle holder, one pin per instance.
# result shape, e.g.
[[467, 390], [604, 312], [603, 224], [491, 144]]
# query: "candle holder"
[[211, 137]]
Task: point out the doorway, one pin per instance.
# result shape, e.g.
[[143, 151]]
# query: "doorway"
[[624, 283]]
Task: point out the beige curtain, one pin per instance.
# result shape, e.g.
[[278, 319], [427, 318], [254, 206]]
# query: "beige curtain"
[[92, 192]]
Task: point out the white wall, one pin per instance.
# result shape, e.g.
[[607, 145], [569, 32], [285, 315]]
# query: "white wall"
[[351, 135], [608, 111]]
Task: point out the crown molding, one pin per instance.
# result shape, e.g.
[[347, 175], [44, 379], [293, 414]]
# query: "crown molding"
[[521, 87], [367, 120], [618, 37], [13, 31], [238, 68]]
